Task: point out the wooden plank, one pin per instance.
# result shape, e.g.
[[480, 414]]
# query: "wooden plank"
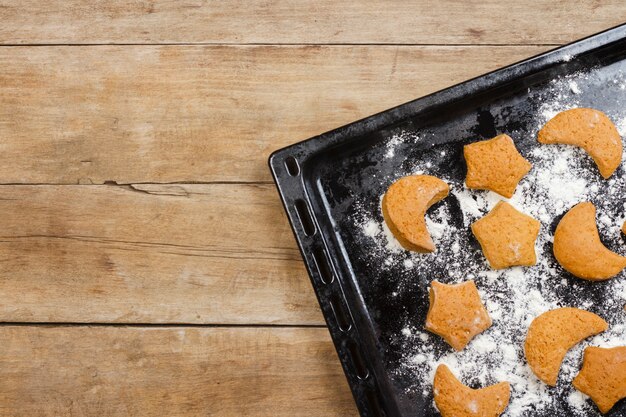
[[105, 371], [150, 254], [197, 113], [291, 21]]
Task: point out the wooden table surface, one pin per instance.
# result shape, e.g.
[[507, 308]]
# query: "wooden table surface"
[[146, 265]]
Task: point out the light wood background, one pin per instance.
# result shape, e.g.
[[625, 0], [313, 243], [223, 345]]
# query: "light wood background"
[[146, 266]]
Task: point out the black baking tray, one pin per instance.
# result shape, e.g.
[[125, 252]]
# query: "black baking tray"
[[318, 178]]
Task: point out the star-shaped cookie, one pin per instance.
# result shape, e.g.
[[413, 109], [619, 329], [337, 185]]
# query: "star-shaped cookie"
[[507, 236], [603, 376], [456, 313], [495, 165]]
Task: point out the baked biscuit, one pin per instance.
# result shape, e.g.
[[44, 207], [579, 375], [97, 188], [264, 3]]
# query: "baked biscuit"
[[552, 334], [495, 165], [589, 129], [603, 376], [456, 313], [453, 399], [578, 248], [404, 206], [507, 236]]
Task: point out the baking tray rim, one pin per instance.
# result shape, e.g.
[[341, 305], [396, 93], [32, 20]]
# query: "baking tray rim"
[[366, 389]]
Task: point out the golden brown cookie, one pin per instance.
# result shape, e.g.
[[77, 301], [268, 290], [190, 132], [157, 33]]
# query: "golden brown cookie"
[[603, 376], [453, 399], [589, 129], [552, 334], [507, 236], [578, 248], [495, 165], [404, 206], [456, 313]]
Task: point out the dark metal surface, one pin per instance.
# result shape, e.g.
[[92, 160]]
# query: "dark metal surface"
[[318, 179]]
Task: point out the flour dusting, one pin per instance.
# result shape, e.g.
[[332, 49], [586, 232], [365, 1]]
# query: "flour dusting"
[[561, 177]]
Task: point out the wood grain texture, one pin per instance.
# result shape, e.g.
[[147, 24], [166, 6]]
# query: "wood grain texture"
[[197, 113], [105, 371], [291, 21], [150, 254], [199, 253]]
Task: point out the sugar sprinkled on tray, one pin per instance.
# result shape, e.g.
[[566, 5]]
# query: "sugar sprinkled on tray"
[[561, 177]]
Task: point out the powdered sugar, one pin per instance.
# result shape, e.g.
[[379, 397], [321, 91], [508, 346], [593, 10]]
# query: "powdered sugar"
[[621, 127], [391, 243], [391, 146], [371, 229], [577, 400], [474, 205], [561, 177]]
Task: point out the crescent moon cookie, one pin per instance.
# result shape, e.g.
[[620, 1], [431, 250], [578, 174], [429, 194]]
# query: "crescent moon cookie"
[[507, 236], [589, 129], [553, 333], [578, 248], [603, 376], [495, 165], [453, 399], [456, 313], [404, 205]]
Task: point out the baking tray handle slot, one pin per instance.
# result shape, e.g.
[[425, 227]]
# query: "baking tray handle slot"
[[292, 166], [341, 314], [323, 266], [304, 215], [357, 360]]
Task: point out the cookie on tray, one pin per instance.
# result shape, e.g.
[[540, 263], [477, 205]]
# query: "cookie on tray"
[[453, 399], [507, 236], [456, 313], [589, 129], [603, 376], [404, 206], [555, 332], [495, 165], [578, 248]]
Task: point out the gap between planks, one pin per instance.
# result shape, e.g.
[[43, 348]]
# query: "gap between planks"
[[130, 184], [9, 45], [162, 325]]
